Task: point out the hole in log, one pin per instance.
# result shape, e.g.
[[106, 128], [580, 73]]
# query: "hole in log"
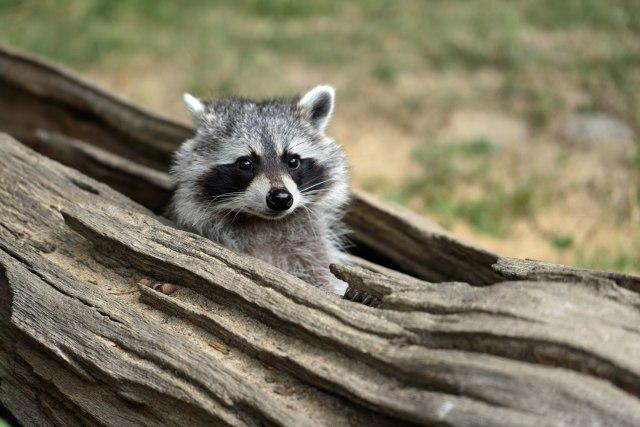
[[363, 251]]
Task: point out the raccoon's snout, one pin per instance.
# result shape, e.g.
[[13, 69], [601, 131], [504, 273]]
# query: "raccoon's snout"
[[279, 199]]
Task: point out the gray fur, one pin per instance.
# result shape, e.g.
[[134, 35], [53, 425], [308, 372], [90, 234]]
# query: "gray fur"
[[307, 237]]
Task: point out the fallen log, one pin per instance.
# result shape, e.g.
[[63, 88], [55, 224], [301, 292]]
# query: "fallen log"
[[487, 340], [35, 94], [241, 342]]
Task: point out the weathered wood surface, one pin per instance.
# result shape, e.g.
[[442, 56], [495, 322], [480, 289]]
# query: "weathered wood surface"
[[242, 342], [520, 343], [36, 94], [145, 185]]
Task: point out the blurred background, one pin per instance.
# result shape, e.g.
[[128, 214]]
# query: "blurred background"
[[515, 124]]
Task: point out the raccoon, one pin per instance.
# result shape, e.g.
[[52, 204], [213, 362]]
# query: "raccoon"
[[262, 178]]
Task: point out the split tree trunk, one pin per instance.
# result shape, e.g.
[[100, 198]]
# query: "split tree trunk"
[[461, 336]]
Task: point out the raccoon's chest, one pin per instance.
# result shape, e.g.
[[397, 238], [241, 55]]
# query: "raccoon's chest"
[[294, 250], [288, 253], [308, 261]]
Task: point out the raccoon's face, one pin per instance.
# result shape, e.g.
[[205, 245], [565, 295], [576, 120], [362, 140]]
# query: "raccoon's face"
[[265, 159]]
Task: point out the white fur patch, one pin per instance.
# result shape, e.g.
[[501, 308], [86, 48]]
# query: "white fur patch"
[[319, 94], [194, 105], [255, 195], [291, 186]]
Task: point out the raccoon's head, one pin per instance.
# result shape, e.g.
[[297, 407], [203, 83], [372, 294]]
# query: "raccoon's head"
[[264, 159]]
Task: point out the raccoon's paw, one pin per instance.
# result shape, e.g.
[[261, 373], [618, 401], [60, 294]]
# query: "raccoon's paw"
[[361, 297]]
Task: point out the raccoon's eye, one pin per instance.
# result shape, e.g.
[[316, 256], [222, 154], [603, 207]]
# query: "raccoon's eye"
[[244, 164], [294, 162]]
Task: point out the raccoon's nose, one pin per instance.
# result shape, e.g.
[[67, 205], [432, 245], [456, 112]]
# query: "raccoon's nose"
[[279, 199]]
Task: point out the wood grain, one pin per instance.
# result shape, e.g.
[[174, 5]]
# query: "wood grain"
[[460, 336], [449, 353]]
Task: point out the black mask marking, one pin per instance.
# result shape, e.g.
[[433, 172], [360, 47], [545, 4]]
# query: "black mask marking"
[[223, 179], [310, 176]]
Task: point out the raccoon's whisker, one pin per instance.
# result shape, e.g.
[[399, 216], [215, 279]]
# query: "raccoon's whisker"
[[228, 213], [224, 209], [313, 214], [234, 217], [316, 184], [226, 195], [222, 197], [209, 204], [313, 193], [311, 219], [227, 208]]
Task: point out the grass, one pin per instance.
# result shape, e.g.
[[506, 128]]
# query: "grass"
[[606, 259], [444, 167], [226, 42], [401, 69], [592, 13], [562, 241], [635, 157]]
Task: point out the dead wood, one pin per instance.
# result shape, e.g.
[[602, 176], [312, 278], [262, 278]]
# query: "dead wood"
[[87, 337]]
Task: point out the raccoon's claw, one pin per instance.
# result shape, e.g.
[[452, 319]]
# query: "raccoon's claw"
[[361, 297], [350, 294], [368, 300]]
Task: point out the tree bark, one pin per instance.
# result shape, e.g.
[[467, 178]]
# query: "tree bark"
[[460, 336]]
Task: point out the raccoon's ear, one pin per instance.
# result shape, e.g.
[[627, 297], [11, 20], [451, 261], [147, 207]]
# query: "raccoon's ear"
[[195, 107], [318, 103]]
